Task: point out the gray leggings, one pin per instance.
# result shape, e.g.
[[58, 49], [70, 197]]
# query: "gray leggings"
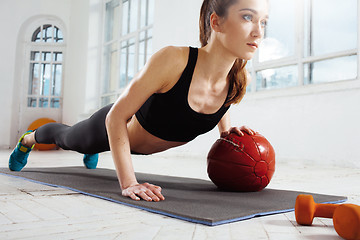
[[88, 136]]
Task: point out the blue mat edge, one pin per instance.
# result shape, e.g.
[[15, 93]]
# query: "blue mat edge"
[[207, 223]]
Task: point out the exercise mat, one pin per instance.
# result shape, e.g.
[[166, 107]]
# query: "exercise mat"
[[189, 199]]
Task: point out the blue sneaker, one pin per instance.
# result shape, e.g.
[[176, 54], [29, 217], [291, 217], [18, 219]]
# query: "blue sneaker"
[[91, 160], [19, 156]]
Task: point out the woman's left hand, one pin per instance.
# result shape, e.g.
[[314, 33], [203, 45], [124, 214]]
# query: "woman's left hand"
[[239, 131]]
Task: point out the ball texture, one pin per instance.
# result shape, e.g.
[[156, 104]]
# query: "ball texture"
[[244, 164]]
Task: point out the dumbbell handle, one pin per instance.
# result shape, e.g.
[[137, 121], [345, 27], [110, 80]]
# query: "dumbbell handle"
[[306, 209], [325, 210]]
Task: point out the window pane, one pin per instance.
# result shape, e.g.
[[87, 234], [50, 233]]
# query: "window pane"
[[56, 80], [46, 56], [36, 37], [112, 20], [123, 64], [108, 99], [141, 55], [149, 45], [334, 26], [57, 56], [31, 102], [35, 56], [277, 78], [127, 65], [133, 15], [125, 18], [148, 49], [111, 64], [43, 102], [47, 33], [143, 12], [45, 79], [337, 69], [34, 79], [55, 103], [279, 41], [144, 47], [131, 63], [150, 13], [58, 36]]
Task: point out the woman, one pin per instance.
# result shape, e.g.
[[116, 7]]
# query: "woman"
[[180, 93]]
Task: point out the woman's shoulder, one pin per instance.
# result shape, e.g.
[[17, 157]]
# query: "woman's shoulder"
[[174, 55], [167, 65]]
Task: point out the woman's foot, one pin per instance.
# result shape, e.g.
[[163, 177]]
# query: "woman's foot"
[[91, 160], [20, 154]]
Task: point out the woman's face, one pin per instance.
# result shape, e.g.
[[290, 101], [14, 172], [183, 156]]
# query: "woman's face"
[[243, 29]]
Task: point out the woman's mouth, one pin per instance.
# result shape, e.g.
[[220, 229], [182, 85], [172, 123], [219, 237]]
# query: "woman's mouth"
[[253, 45]]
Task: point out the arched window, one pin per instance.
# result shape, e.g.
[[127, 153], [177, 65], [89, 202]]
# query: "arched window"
[[46, 67]]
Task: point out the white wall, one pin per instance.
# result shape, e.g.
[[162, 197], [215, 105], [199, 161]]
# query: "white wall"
[[94, 53], [75, 79], [176, 23]]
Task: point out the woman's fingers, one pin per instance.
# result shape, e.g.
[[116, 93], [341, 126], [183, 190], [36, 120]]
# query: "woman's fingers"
[[145, 194], [239, 131], [145, 191], [155, 192], [236, 130], [133, 196], [247, 130]]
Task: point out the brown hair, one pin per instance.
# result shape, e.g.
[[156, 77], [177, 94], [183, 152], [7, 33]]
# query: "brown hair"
[[238, 75]]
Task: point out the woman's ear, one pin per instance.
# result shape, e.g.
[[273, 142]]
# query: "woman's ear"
[[215, 22]]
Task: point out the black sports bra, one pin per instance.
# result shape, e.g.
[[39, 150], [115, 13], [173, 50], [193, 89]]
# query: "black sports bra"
[[169, 115]]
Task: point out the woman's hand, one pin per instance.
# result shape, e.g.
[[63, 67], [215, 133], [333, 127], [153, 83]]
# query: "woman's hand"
[[146, 191], [239, 131]]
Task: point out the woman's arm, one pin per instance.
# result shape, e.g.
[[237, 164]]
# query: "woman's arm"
[[160, 71], [224, 124]]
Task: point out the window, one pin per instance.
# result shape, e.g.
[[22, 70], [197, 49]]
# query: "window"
[[127, 44], [307, 42], [46, 61]]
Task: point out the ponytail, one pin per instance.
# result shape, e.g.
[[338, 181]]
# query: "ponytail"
[[204, 23], [237, 76]]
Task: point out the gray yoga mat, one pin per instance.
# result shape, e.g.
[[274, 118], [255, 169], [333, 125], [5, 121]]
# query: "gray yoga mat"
[[189, 199]]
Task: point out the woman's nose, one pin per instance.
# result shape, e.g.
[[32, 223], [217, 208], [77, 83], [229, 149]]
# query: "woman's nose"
[[257, 30]]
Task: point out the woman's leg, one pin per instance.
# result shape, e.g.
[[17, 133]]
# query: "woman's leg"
[[88, 136]]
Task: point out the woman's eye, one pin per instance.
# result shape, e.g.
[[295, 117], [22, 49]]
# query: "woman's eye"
[[263, 24], [247, 17]]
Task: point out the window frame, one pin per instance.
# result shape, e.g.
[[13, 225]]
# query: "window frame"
[[117, 40], [299, 60]]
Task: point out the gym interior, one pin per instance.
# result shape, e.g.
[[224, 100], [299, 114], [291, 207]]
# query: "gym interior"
[[65, 59]]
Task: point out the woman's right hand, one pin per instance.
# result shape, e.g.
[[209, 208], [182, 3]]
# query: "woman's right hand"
[[146, 191]]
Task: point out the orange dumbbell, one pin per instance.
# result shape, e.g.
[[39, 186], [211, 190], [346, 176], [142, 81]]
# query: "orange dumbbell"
[[346, 221], [306, 209], [346, 217]]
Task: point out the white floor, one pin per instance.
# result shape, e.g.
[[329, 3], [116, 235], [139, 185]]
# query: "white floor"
[[34, 211]]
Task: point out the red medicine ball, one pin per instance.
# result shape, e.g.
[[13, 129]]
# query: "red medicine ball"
[[244, 164]]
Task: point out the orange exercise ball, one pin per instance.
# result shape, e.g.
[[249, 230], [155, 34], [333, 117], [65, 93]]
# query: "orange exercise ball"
[[35, 125]]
